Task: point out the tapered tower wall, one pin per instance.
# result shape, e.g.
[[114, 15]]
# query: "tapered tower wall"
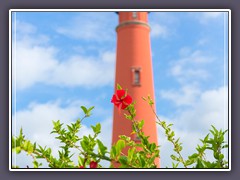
[[134, 72]]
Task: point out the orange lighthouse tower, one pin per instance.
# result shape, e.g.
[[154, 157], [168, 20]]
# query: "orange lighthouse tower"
[[134, 72]]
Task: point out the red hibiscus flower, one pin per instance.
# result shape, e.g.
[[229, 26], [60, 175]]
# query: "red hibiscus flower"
[[93, 164], [81, 166], [121, 99]]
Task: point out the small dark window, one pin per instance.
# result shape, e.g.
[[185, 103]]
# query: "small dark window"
[[136, 77]]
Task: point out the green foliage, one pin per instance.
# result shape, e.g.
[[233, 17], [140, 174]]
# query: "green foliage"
[[90, 148], [126, 152], [215, 143], [86, 111], [197, 160]]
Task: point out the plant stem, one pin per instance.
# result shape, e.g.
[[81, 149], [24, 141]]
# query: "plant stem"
[[171, 140]]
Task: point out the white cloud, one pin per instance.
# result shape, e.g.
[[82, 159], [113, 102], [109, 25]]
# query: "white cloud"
[[185, 51], [212, 15], [196, 108], [208, 108], [199, 57], [82, 71], [191, 65], [207, 17], [163, 25], [90, 26], [203, 42], [33, 64], [158, 30], [37, 118], [37, 62], [108, 56], [205, 108], [185, 96], [24, 28], [36, 121]]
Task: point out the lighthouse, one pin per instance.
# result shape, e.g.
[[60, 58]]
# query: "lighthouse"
[[134, 72]]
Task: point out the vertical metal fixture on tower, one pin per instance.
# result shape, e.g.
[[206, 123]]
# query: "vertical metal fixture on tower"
[[134, 72]]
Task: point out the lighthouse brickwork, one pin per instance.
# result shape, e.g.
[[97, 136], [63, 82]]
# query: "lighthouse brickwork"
[[134, 72]]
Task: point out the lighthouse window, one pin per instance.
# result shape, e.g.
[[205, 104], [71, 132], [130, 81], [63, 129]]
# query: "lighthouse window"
[[134, 15], [136, 77]]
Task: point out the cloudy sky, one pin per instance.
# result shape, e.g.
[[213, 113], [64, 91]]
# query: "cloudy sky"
[[63, 60]]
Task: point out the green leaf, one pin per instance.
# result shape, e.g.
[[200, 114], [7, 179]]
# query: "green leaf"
[[84, 109], [225, 146], [175, 165], [199, 164], [96, 129], [123, 160], [163, 124], [70, 128], [36, 164], [119, 146], [101, 148], [126, 138], [30, 149], [26, 145], [216, 155], [151, 160], [141, 160], [221, 156], [206, 138], [153, 146], [128, 116], [84, 145], [141, 123], [119, 87], [215, 130], [89, 111], [150, 101], [193, 156], [225, 132], [176, 142], [49, 151], [189, 162], [17, 150], [174, 158], [80, 161], [172, 134], [113, 152], [131, 152]]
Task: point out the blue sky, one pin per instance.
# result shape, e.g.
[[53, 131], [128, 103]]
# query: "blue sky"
[[62, 60]]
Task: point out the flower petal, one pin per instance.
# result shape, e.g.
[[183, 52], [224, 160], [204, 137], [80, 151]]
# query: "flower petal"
[[127, 100], [120, 93], [114, 99], [121, 99], [93, 164], [124, 106]]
